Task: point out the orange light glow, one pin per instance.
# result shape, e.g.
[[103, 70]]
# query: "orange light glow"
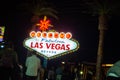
[[62, 35], [56, 35], [44, 24], [50, 35], [1, 36], [68, 35], [44, 34], [38, 34], [32, 34]]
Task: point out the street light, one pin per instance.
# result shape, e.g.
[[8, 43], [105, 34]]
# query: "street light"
[[2, 45]]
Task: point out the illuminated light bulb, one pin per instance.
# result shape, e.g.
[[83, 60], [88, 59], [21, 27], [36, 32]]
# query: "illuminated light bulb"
[[38, 34], [32, 34], [50, 35], [37, 24], [1, 36], [81, 72], [56, 34], [62, 35], [63, 62], [2, 46], [68, 35], [44, 34]]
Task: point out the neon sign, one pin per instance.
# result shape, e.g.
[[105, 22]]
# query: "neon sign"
[[2, 30], [44, 24], [50, 44]]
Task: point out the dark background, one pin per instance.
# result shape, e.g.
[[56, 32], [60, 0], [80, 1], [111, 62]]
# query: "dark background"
[[83, 27]]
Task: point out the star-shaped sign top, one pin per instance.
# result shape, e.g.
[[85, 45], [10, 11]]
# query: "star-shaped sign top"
[[44, 24]]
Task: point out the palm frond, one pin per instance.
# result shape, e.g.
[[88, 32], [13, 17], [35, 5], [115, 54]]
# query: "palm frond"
[[96, 7], [38, 8]]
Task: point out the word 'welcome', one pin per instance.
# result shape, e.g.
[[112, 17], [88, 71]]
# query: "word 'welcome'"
[[39, 34]]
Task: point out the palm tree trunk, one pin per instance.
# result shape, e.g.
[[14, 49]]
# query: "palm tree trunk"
[[102, 27], [99, 55]]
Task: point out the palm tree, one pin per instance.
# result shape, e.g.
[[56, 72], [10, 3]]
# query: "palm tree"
[[37, 8], [103, 9]]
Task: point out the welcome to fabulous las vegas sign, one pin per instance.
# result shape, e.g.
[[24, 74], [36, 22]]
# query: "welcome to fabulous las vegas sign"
[[50, 44]]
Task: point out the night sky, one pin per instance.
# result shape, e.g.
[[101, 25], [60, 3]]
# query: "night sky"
[[83, 27]]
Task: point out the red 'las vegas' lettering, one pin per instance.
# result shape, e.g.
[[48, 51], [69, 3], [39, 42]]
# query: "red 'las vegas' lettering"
[[57, 46], [36, 45]]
